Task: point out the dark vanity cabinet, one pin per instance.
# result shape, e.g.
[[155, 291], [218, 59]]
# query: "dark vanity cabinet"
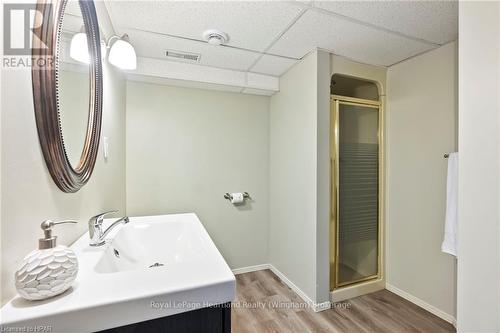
[[214, 319]]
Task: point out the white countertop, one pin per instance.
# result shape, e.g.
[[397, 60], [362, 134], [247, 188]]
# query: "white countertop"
[[99, 301]]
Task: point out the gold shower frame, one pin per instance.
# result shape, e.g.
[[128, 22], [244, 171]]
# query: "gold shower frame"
[[335, 102]]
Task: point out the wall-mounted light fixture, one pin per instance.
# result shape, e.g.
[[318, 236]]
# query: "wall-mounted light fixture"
[[122, 53], [79, 49]]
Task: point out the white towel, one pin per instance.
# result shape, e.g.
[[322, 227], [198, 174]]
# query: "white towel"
[[451, 224]]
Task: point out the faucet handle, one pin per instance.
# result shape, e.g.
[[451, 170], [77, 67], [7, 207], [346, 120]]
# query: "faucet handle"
[[98, 218]]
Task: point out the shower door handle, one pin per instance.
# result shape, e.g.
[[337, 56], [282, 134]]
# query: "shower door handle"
[[333, 190]]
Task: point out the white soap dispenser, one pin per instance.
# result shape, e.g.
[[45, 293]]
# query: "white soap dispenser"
[[48, 271]]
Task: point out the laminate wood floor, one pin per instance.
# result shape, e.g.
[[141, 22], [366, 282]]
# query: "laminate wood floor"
[[265, 304]]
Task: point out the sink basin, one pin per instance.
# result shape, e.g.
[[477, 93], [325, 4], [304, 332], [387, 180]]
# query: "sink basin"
[[148, 243], [152, 267]]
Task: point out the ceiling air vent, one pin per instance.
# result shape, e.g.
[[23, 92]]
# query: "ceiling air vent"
[[181, 55]]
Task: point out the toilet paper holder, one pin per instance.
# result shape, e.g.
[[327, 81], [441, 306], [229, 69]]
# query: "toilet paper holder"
[[228, 196]]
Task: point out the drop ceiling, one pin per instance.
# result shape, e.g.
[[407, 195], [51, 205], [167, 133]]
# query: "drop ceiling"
[[268, 37]]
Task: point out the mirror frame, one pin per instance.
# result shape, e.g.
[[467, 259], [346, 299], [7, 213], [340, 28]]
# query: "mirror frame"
[[46, 44]]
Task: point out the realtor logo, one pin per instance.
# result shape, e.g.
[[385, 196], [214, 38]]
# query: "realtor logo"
[[18, 29]]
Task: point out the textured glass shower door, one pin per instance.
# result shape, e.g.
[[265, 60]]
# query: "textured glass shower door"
[[357, 192]]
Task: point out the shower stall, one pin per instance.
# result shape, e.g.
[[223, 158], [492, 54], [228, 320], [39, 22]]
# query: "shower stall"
[[356, 205]]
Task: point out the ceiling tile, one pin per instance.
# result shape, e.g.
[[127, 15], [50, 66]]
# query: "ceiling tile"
[[345, 38], [153, 45], [249, 24], [273, 65], [435, 21], [261, 81]]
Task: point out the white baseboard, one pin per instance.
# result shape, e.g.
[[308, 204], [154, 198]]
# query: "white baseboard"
[[315, 306], [426, 306], [249, 269], [326, 305]]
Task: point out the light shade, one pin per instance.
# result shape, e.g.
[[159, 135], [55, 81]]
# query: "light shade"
[[79, 49], [122, 55]]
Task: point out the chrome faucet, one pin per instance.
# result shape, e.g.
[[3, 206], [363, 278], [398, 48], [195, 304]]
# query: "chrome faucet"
[[95, 227]]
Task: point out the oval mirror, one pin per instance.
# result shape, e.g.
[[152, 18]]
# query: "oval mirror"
[[67, 91]]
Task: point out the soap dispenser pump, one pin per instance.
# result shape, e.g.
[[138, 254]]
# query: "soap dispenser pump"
[[48, 271]]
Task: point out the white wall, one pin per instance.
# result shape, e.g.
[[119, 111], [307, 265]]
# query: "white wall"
[[421, 126], [323, 77], [293, 175], [304, 96], [29, 195], [187, 147], [478, 299]]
